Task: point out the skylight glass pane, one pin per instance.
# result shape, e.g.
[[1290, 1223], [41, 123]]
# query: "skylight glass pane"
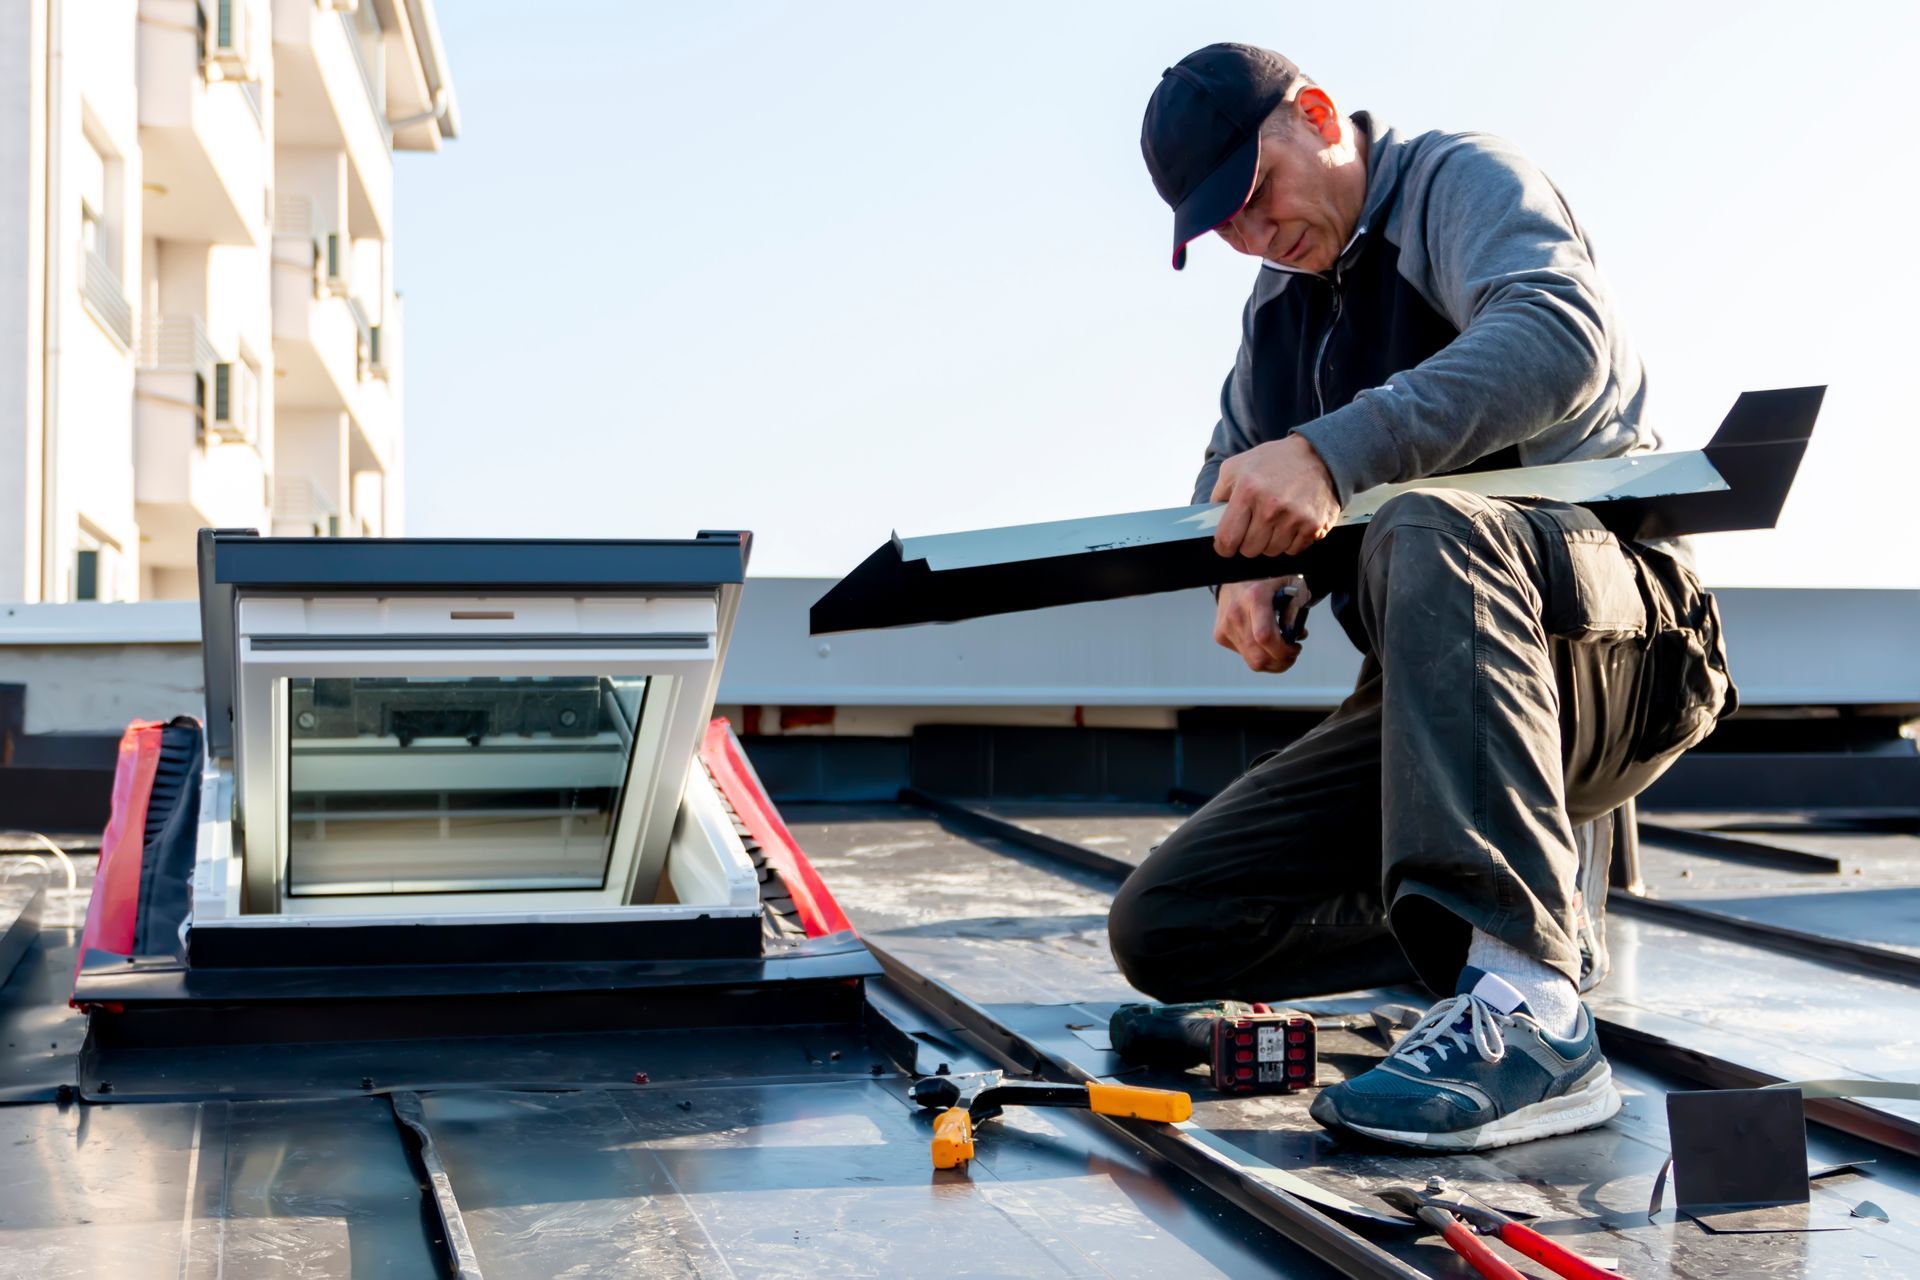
[[456, 784]]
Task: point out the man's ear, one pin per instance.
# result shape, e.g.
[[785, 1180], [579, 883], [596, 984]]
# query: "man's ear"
[[1317, 109]]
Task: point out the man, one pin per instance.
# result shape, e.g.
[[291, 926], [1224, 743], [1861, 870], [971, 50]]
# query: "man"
[[1424, 305]]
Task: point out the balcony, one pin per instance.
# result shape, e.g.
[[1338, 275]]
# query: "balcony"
[[302, 508], [104, 296], [185, 478], [324, 98], [203, 142], [317, 341]]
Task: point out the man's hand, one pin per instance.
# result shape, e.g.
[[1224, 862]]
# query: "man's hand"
[[1280, 500], [1243, 622]]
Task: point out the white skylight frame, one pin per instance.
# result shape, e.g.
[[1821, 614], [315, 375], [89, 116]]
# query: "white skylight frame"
[[673, 641]]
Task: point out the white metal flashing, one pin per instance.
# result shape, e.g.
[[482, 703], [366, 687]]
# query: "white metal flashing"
[[1646, 475], [152, 622]]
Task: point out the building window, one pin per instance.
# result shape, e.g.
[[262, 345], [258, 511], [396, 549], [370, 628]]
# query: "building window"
[[200, 409], [99, 221], [86, 574], [250, 394], [370, 49], [95, 563], [457, 784], [99, 182]]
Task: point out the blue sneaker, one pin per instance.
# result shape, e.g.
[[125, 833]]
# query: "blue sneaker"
[[1477, 1072]]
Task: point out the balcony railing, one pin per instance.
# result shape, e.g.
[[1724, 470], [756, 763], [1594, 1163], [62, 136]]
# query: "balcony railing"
[[366, 344], [298, 500], [177, 343], [236, 403], [293, 220], [376, 99], [100, 289], [292, 216]]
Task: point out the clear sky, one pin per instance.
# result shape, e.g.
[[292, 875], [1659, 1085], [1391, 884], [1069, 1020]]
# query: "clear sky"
[[829, 270]]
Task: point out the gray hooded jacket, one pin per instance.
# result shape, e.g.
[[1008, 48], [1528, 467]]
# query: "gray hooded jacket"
[[1464, 327]]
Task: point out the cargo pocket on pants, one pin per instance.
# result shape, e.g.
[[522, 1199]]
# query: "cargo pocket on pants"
[[1593, 594], [1685, 688], [1682, 694]]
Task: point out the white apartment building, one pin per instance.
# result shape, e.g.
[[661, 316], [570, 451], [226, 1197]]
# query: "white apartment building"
[[198, 325]]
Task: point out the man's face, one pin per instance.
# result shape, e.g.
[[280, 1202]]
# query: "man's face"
[[1306, 202]]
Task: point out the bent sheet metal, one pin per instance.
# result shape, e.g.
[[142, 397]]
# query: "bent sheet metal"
[[1738, 481]]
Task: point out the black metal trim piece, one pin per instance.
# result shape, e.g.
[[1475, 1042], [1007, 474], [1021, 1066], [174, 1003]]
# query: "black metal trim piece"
[[462, 1261], [105, 978], [408, 942], [1308, 1227], [1754, 853], [217, 657], [970, 818], [131, 981], [1757, 451], [496, 566], [279, 1020], [1842, 953]]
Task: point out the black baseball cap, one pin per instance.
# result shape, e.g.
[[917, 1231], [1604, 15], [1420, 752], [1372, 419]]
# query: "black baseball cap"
[[1201, 136]]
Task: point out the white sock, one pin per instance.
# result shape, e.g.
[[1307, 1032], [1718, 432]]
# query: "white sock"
[[1550, 995]]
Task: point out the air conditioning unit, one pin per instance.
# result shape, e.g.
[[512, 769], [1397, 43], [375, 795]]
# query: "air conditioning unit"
[[335, 265], [229, 41], [376, 361], [235, 402]]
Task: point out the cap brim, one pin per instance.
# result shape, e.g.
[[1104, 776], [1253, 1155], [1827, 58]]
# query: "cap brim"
[[1220, 195]]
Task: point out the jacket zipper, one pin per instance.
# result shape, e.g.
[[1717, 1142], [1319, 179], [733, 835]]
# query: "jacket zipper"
[[1320, 356]]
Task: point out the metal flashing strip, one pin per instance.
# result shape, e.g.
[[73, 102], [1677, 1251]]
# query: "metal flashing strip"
[[462, 1261], [1699, 917], [1738, 849], [1646, 475], [1738, 481], [971, 819]]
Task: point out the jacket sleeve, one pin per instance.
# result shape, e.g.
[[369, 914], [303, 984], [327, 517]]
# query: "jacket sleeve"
[[1500, 256], [1234, 432]]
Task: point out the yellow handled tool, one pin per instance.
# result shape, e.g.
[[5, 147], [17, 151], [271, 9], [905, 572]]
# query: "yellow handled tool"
[[952, 1137], [962, 1100]]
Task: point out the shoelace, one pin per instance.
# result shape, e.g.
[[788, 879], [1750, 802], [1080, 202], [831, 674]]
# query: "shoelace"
[[1442, 1024]]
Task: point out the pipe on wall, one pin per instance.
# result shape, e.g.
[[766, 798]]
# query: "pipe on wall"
[[50, 300]]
